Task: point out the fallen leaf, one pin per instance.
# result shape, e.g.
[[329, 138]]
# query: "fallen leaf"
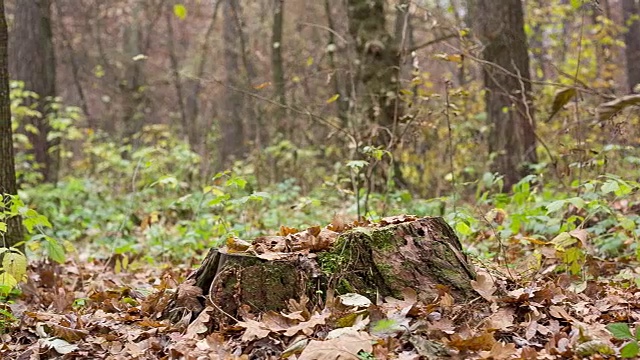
[[306, 327], [484, 341], [236, 245], [501, 320], [484, 286], [356, 300], [499, 351], [188, 296], [345, 347], [67, 333], [200, 325], [60, 346], [254, 330]]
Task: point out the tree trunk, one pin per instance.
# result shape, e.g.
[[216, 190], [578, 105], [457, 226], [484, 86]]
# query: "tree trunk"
[[277, 66], [378, 68], [231, 143], [193, 99], [177, 82], [375, 261], [342, 105], [32, 61], [631, 11], [133, 89], [8, 186], [500, 27]]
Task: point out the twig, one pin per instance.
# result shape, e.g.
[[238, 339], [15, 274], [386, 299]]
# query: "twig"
[[431, 42]]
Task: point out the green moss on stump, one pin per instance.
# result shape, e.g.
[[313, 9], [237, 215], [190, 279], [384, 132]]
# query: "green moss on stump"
[[419, 254]]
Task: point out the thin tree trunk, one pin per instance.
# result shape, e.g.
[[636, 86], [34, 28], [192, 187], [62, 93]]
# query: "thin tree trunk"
[[605, 67], [342, 103], [500, 27], [8, 185], [192, 102], [538, 49], [631, 11], [256, 130], [231, 143], [177, 83], [32, 60], [133, 91], [75, 68], [277, 67]]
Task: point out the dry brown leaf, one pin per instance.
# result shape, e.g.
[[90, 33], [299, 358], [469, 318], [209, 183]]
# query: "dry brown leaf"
[[405, 307], [284, 231], [499, 351], [559, 312], [307, 326], [254, 330], [296, 315], [188, 296], [337, 224], [444, 325], [314, 230], [200, 325], [484, 341], [607, 110], [273, 256], [501, 320], [236, 245], [484, 286], [60, 346], [67, 333], [580, 234], [265, 244], [345, 347], [277, 322], [446, 300], [531, 330], [326, 238], [299, 306]]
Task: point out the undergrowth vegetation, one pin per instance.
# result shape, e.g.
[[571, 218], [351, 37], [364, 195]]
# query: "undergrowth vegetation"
[[149, 202]]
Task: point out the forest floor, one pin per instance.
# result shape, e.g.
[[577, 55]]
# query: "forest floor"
[[112, 310]]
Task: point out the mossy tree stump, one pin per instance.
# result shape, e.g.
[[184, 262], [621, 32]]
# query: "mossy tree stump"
[[376, 261]]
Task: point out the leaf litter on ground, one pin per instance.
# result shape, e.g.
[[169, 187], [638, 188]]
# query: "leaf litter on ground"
[[90, 310]]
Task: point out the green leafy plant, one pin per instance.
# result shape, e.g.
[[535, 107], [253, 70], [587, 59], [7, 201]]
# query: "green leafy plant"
[[7, 319], [622, 331], [14, 262]]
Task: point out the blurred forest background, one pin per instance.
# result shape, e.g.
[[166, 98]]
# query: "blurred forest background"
[[147, 132], [124, 111]]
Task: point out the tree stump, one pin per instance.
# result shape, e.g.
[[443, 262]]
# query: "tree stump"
[[375, 260]]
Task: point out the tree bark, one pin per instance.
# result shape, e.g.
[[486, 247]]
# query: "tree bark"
[[377, 261], [378, 68], [342, 105], [193, 92], [8, 185], [277, 66], [177, 83], [631, 11], [231, 143], [132, 86], [32, 60], [500, 27], [75, 68]]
